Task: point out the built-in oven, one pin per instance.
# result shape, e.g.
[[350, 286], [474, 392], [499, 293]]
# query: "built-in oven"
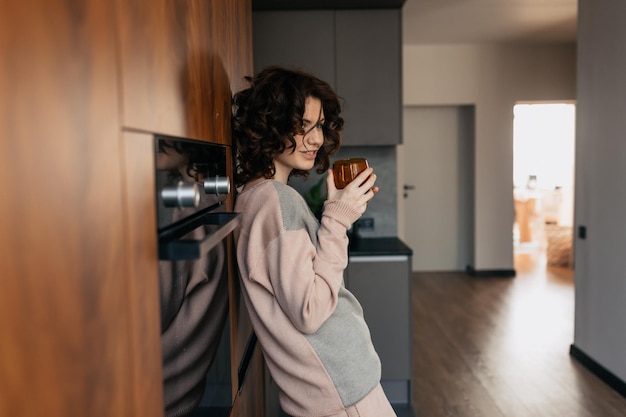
[[193, 188]]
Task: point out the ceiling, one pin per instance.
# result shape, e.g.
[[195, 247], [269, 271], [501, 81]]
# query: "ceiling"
[[463, 21], [325, 4], [478, 21]]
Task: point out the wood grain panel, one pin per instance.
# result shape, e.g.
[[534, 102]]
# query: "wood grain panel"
[[144, 308], [208, 104], [241, 327], [219, 52], [220, 55], [179, 60], [249, 401], [78, 309], [64, 300], [153, 53], [231, 39]]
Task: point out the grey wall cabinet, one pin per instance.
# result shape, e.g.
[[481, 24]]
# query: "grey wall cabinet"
[[369, 75], [382, 286], [300, 39], [358, 52]]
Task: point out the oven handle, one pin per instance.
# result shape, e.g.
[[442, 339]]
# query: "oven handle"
[[171, 247]]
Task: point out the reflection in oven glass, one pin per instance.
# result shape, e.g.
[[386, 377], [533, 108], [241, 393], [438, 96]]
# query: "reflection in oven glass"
[[193, 292]]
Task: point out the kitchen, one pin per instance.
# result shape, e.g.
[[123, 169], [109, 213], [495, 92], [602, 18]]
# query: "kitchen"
[[94, 86], [87, 87], [79, 306]]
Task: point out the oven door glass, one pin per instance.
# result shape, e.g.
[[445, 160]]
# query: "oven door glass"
[[193, 280]]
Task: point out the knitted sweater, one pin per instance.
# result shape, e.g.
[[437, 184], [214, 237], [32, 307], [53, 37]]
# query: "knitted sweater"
[[315, 341]]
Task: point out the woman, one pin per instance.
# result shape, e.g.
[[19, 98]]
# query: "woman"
[[315, 341]]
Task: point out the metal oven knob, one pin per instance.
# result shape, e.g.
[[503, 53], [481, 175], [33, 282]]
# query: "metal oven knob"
[[217, 185], [183, 194]]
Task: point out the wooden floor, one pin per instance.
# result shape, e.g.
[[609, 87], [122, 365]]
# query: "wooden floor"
[[492, 347]]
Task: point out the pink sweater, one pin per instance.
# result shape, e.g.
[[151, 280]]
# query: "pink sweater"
[[311, 329]]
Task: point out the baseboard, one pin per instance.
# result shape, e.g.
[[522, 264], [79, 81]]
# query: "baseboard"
[[598, 370], [481, 273]]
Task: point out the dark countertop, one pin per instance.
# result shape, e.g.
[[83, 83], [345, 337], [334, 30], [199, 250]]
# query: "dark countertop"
[[378, 246]]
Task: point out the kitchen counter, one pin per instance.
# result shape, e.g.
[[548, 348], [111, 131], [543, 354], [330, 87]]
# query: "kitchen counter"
[[378, 246], [379, 275]]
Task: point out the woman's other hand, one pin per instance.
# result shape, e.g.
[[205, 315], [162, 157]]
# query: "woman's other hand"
[[356, 194]]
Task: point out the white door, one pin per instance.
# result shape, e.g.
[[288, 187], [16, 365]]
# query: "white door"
[[436, 181]]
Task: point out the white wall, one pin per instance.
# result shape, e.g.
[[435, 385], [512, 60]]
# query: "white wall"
[[600, 269], [493, 78]]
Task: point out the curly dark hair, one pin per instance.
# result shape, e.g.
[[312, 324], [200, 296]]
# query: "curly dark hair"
[[268, 114]]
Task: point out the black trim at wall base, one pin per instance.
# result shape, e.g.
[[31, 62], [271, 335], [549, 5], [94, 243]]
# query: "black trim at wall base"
[[502, 273], [598, 370]]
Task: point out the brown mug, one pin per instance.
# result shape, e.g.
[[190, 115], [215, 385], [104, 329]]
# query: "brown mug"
[[345, 170]]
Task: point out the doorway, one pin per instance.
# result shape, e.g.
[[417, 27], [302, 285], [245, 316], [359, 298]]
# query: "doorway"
[[436, 171], [543, 178]]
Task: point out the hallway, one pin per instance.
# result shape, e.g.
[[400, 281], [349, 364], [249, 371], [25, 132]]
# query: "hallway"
[[499, 347]]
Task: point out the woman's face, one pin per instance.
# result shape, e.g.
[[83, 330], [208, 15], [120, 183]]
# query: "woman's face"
[[303, 156]]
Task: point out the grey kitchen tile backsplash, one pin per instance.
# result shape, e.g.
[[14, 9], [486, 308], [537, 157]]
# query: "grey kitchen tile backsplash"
[[383, 208]]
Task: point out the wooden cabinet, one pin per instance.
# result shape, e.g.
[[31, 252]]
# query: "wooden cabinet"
[[153, 65], [249, 399], [141, 279], [358, 52], [85, 86], [246, 358], [382, 286], [65, 307], [179, 61]]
